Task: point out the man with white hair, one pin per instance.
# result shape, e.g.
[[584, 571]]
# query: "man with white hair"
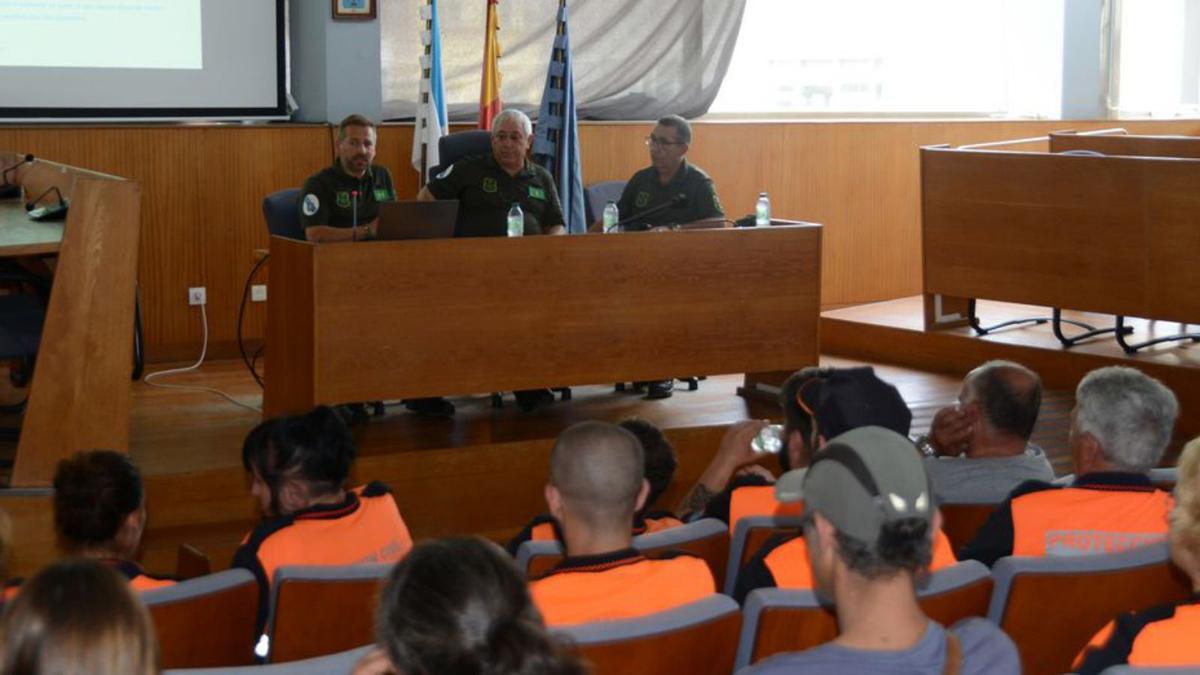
[[486, 186], [1121, 424]]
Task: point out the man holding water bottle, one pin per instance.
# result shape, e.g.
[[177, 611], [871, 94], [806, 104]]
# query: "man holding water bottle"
[[487, 186]]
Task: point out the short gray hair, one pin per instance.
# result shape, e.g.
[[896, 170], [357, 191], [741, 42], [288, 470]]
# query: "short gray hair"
[[1131, 415], [683, 129], [513, 114]]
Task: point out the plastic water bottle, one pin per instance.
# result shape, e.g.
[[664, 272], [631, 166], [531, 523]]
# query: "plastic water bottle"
[[769, 440], [516, 221], [611, 217], [762, 210]]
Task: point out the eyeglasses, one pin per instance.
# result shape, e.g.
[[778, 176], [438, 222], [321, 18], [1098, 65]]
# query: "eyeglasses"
[[660, 142]]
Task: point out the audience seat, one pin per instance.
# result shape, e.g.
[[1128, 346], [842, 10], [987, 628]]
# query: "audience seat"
[[340, 664], [281, 210], [208, 621], [707, 538], [960, 522], [1052, 605], [1165, 478], [317, 610], [1148, 670], [699, 638], [782, 620], [749, 536]]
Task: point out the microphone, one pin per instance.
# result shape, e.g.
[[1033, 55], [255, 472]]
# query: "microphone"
[[48, 213], [624, 224], [8, 190], [354, 215]]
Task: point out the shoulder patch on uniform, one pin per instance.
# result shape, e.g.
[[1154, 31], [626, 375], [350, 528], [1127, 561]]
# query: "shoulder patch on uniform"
[[445, 172], [311, 204]]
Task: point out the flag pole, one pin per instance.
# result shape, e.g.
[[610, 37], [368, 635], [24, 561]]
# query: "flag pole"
[[426, 73]]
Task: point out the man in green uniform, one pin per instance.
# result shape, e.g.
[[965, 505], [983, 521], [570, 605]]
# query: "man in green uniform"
[[486, 186], [669, 176], [341, 202]]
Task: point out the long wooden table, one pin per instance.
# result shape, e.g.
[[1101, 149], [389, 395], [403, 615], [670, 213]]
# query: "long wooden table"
[[1116, 235], [80, 394], [1186, 147], [385, 320]]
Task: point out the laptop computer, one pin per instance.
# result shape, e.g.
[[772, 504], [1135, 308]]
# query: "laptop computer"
[[412, 219]]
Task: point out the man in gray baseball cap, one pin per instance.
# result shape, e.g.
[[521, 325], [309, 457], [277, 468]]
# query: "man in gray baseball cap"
[[869, 516]]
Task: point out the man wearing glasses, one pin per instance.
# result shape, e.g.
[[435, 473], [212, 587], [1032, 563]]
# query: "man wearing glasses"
[[668, 176]]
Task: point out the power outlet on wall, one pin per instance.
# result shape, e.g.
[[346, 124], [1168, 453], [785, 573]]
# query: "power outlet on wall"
[[197, 295], [258, 293]]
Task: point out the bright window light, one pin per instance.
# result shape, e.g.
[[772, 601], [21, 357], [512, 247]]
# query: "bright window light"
[[1157, 70], [973, 57]]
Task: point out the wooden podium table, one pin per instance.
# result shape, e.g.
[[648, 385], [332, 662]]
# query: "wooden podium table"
[[80, 394], [406, 319]]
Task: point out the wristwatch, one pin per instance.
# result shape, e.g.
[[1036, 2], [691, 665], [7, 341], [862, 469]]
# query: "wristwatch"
[[925, 445]]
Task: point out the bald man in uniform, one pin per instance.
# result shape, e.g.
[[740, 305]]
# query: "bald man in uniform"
[[596, 485]]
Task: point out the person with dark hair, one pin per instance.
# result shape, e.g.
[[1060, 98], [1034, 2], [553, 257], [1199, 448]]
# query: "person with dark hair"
[[979, 449], [1120, 427], [660, 463], [100, 512], [341, 202], [298, 467], [817, 403], [596, 486], [869, 513], [460, 607], [77, 616]]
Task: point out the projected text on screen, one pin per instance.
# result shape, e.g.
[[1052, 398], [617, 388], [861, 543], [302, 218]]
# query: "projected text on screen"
[[159, 34]]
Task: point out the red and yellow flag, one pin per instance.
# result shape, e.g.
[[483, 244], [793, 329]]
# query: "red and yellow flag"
[[489, 90]]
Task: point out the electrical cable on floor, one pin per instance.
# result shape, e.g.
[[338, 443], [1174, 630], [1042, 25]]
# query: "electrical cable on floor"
[[148, 379], [250, 363]]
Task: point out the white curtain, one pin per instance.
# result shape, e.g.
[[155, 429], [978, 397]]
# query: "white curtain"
[[633, 59]]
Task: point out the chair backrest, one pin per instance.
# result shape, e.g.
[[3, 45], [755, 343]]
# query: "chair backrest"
[[339, 663], [281, 210], [1052, 605], [749, 535], [784, 620], [596, 195], [707, 538], [318, 610], [698, 638], [453, 147], [207, 621], [960, 522]]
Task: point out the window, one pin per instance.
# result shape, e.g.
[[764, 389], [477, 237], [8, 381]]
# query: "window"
[[969, 57], [1158, 58]]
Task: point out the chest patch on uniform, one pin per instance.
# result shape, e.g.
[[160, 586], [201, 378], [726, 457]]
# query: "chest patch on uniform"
[[537, 192], [489, 185], [643, 198], [310, 205], [343, 200], [382, 195]]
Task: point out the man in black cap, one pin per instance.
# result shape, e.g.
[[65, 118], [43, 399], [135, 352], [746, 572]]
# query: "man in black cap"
[[869, 513], [818, 403]]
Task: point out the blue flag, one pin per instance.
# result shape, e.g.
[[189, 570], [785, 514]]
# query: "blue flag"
[[556, 142]]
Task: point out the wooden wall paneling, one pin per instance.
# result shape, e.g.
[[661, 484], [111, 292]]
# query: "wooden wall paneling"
[[860, 179]]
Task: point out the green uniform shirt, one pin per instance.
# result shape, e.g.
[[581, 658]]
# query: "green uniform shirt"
[[644, 192], [485, 192], [327, 196]]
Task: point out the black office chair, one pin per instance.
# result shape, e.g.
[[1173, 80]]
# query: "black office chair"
[[21, 317], [281, 210], [453, 147], [596, 195]]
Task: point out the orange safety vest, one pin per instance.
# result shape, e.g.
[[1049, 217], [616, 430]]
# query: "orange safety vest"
[[791, 568], [1168, 641], [1081, 520], [758, 500], [622, 586], [366, 529]]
